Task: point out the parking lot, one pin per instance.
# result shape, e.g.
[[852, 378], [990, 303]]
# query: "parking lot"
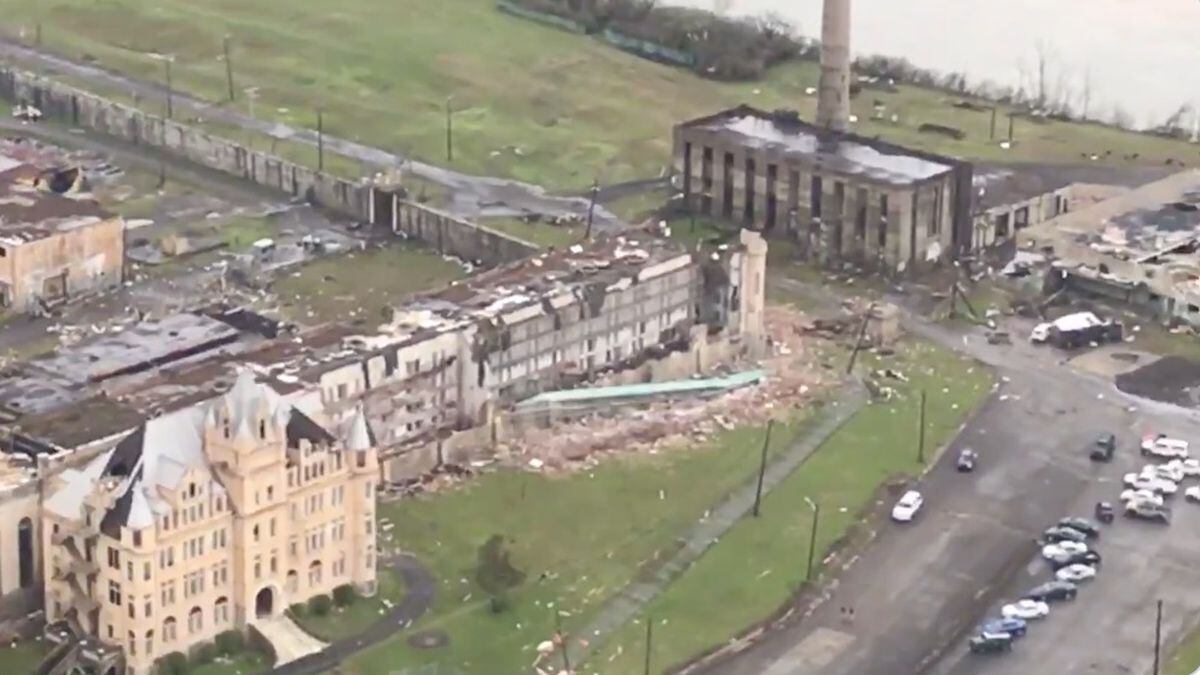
[[919, 589]]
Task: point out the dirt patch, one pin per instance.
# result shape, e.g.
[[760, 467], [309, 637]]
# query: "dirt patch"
[[428, 639], [1172, 379]]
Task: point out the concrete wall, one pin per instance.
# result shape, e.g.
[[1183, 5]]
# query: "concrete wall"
[[353, 198], [90, 257], [999, 223]]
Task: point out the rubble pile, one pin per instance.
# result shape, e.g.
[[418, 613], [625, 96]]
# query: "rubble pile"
[[793, 377]]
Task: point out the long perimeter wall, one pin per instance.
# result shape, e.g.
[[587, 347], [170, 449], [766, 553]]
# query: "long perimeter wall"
[[355, 199]]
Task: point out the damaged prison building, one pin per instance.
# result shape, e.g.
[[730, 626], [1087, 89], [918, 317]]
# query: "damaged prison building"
[[844, 198], [121, 433], [56, 242]]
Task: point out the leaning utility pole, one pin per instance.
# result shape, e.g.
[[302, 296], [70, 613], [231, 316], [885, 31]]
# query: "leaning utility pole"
[[762, 469], [587, 235], [228, 66], [320, 142], [1157, 637], [449, 132], [649, 635], [921, 432], [862, 332]]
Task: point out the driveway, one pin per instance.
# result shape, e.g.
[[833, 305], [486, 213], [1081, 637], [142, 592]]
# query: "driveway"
[[918, 589]]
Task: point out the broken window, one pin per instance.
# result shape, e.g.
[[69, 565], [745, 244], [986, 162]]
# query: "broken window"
[[1021, 218], [814, 196], [883, 220], [860, 218], [748, 193], [1001, 225]]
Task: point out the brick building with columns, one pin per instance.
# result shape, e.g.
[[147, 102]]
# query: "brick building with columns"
[[844, 197]]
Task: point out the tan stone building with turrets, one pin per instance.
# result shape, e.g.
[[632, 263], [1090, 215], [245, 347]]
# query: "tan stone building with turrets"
[[208, 519]]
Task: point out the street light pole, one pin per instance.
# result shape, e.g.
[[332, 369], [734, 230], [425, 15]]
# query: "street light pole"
[[921, 432], [587, 235], [1158, 637], [449, 132], [170, 107], [228, 66], [812, 537], [762, 469]]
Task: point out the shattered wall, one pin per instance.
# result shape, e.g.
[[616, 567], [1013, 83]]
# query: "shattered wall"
[[65, 264], [352, 198]]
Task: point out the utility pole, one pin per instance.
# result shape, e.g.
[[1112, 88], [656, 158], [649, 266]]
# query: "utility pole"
[[1011, 117], [1157, 637], [449, 132], [170, 107], [228, 67], [992, 132], [921, 432], [562, 638], [320, 142], [862, 331], [812, 536], [762, 469], [649, 635], [587, 235]]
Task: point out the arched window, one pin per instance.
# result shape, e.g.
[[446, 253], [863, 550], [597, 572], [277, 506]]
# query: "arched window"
[[293, 581], [221, 611], [149, 642], [132, 644], [195, 621], [25, 552], [314, 573], [168, 629]]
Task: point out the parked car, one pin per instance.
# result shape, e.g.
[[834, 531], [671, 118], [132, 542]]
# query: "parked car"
[[1104, 448], [1189, 467], [966, 460], [1052, 591], [906, 509], [1062, 550], [1075, 573], [1026, 609], [1090, 558], [1144, 496], [1011, 625], [1057, 534], [1143, 511], [1162, 446], [1083, 525], [1040, 333], [1139, 481], [1172, 470], [1192, 494], [990, 643]]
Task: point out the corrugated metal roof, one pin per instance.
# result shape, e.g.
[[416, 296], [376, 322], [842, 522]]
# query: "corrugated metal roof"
[[628, 391]]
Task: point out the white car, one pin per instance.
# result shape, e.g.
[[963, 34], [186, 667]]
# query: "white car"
[[1139, 481], [1189, 467], [1060, 551], [1025, 609], [1076, 573], [1143, 497], [1192, 494], [906, 509], [1161, 446], [1172, 470], [1040, 333]]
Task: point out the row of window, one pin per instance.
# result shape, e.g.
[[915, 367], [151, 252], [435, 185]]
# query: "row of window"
[[195, 624], [193, 584]]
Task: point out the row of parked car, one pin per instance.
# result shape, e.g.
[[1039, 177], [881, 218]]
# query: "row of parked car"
[[1065, 547]]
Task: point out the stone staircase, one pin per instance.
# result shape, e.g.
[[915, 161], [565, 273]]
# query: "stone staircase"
[[291, 643]]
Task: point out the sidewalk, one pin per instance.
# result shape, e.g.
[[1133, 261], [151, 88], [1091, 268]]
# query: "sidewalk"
[[629, 601]]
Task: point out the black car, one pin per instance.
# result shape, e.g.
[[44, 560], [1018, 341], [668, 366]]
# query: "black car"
[[1086, 558], [1103, 449], [991, 643], [1052, 591], [1105, 512], [1057, 534], [1081, 525], [966, 460], [1144, 511]]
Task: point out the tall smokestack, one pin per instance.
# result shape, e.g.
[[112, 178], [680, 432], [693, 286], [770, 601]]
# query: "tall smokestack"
[[833, 106]]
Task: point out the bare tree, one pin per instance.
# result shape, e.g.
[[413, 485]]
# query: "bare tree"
[[1087, 92], [1121, 118], [1039, 51]]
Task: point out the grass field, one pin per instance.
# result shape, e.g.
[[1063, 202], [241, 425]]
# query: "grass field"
[[343, 622], [1186, 658], [529, 102], [23, 657], [578, 538], [246, 663], [358, 286], [760, 562]]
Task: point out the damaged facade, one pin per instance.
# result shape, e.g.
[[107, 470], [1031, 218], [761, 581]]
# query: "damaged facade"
[[56, 242], [223, 424], [1140, 248], [843, 197], [204, 520]]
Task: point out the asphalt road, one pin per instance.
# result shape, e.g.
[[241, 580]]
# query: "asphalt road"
[[918, 589]]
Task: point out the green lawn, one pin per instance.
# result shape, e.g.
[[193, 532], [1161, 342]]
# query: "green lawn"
[[578, 538], [544, 235], [760, 562], [529, 101], [23, 657], [344, 622], [240, 231], [358, 286], [1186, 657], [246, 663]]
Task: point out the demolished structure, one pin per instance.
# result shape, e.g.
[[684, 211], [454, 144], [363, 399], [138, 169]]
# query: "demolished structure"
[[118, 431], [56, 242]]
